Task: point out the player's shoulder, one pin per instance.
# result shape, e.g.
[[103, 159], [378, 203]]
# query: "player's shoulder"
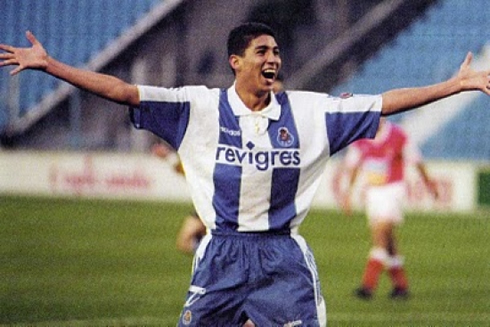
[[323, 97], [300, 94], [200, 89], [183, 93], [305, 100]]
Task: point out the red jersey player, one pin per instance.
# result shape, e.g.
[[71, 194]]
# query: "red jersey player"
[[383, 160]]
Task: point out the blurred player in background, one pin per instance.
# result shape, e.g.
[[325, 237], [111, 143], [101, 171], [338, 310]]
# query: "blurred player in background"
[[253, 160], [383, 161]]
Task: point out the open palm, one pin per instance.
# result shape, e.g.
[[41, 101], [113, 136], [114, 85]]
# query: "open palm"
[[473, 80], [34, 57]]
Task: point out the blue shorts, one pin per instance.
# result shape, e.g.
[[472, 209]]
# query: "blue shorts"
[[269, 278]]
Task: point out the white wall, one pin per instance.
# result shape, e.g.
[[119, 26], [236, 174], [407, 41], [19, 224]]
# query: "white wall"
[[142, 176], [132, 176]]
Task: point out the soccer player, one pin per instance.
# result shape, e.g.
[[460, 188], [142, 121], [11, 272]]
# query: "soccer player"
[[192, 229], [383, 161], [253, 160]]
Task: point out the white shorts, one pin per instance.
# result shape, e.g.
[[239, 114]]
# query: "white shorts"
[[385, 203]]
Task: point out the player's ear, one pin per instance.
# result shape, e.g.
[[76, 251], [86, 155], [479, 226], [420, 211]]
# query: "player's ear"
[[234, 61]]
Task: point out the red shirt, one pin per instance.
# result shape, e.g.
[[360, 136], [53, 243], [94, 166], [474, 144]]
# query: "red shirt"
[[383, 159]]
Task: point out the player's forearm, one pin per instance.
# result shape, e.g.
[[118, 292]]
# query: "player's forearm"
[[404, 99], [424, 174], [106, 86], [352, 179]]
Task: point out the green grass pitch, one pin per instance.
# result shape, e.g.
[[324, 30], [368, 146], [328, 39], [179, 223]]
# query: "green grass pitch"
[[71, 262]]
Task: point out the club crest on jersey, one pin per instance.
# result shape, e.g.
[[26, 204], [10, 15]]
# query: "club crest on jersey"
[[284, 137], [187, 317]]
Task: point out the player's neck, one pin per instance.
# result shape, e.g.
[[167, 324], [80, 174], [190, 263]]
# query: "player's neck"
[[253, 99]]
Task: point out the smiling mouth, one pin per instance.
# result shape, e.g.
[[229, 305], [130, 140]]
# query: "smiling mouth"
[[269, 74]]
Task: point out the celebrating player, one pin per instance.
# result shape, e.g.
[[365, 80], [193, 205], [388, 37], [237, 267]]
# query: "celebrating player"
[[192, 230], [383, 160], [253, 160]]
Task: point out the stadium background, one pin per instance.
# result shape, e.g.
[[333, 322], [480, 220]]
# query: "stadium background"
[[67, 146]]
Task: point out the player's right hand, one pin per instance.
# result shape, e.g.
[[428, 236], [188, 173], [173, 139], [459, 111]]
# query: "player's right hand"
[[34, 57]]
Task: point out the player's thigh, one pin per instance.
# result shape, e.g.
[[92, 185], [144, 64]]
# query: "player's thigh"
[[293, 295], [218, 286]]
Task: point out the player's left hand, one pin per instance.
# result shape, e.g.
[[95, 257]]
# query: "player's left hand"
[[471, 79], [161, 150], [432, 186]]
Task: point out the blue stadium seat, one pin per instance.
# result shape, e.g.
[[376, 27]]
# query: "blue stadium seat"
[[466, 136], [429, 51], [72, 31]]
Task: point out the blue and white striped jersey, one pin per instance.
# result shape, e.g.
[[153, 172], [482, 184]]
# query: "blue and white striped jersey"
[[254, 171]]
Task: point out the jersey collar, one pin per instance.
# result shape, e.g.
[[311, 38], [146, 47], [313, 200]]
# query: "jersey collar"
[[272, 111]]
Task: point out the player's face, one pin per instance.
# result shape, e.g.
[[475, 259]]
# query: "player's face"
[[259, 66]]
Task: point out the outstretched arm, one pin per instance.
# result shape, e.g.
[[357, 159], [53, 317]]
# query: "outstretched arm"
[[36, 57], [467, 79]]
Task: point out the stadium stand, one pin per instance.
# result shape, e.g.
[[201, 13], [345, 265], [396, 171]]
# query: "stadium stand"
[[58, 24], [429, 51]]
